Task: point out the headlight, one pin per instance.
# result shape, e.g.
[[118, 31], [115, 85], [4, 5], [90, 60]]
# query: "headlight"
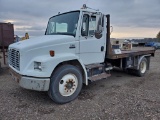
[[38, 66]]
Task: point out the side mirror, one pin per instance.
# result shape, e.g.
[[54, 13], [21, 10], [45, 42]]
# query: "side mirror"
[[99, 28]]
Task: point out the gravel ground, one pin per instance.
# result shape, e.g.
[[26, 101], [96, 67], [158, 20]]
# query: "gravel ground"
[[122, 96]]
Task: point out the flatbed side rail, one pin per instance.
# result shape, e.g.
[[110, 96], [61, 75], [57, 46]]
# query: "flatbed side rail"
[[131, 54]]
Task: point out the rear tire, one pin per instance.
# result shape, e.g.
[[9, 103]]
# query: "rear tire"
[[66, 84], [142, 67]]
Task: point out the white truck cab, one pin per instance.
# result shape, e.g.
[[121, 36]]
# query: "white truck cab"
[[56, 62]]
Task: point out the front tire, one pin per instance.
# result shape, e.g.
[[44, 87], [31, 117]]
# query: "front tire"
[[66, 84]]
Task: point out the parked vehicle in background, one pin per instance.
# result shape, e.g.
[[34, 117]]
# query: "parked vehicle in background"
[[6, 37], [150, 44], [156, 46]]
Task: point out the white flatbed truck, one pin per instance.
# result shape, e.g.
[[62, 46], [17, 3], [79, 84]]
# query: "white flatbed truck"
[[75, 49]]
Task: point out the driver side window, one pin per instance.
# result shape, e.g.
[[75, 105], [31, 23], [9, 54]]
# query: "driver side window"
[[92, 25], [85, 24], [88, 25]]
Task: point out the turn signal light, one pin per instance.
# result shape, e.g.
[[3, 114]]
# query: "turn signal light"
[[51, 53]]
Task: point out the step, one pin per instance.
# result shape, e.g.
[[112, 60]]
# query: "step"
[[99, 77], [94, 66]]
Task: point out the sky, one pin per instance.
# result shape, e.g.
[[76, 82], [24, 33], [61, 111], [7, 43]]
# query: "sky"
[[129, 18]]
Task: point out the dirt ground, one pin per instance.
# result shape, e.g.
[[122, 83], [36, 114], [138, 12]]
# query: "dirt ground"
[[122, 96]]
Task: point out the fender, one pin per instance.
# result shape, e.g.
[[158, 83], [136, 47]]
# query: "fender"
[[49, 64]]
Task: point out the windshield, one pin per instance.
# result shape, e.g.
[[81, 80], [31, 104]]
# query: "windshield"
[[64, 24]]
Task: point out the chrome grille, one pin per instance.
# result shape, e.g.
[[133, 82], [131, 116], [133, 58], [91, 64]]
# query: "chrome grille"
[[14, 58]]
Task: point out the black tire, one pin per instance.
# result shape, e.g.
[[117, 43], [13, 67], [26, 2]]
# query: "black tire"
[[59, 88], [142, 67]]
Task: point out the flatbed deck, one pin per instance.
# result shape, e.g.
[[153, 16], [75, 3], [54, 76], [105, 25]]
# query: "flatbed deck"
[[134, 52]]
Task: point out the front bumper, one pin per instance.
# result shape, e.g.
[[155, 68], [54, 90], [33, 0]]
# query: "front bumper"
[[38, 84]]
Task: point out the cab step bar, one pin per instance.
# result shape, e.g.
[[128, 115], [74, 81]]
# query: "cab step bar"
[[98, 71], [99, 77]]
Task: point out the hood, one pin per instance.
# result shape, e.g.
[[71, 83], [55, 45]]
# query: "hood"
[[42, 41]]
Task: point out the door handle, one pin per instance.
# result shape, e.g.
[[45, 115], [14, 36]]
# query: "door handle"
[[102, 48]]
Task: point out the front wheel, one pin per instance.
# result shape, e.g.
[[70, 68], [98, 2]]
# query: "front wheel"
[[66, 84]]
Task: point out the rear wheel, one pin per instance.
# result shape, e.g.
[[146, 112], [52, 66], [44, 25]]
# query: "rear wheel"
[[66, 84], [142, 67]]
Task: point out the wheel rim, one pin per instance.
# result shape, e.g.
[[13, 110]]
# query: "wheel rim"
[[143, 66], [68, 85]]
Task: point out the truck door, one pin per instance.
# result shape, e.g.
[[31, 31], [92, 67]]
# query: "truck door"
[[92, 50]]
